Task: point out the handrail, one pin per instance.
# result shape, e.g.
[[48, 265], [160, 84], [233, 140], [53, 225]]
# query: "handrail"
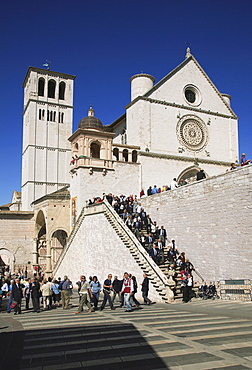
[[197, 273], [141, 249]]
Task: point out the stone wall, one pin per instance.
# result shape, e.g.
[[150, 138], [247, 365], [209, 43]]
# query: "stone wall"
[[98, 250], [16, 238], [125, 178], [211, 221]]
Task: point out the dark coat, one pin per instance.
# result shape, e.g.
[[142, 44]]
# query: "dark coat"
[[35, 289], [17, 292], [145, 284], [117, 285]]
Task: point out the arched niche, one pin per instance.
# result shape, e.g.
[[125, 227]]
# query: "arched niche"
[[116, 154], [41, 231], [95, 149], [125, 155], [134, 156], [58, 242], [189, 174], [8, 259]]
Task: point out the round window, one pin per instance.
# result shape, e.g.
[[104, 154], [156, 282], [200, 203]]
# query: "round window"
[[192, 95], [192, 133]]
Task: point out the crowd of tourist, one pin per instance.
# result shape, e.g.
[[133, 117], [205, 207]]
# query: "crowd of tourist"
[[153, 238], [50, 293]]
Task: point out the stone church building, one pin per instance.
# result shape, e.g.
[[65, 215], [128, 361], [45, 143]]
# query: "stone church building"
[[170, 129]]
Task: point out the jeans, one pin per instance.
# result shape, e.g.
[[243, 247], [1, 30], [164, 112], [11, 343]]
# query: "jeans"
[[119, 295], [145, 297], [127, 301], [105, 299], [95, 299], [9, 303]]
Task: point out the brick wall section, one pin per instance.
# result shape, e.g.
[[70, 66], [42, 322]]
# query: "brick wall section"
[[98, 250], [16, 236], [211, 221]]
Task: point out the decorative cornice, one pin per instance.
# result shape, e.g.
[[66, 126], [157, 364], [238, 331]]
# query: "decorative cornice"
[[180, 106], [142, 75], [60, 105], [47, 72], [182, 158], [125, 146], [91, 132], [45, 183], [46, 147]]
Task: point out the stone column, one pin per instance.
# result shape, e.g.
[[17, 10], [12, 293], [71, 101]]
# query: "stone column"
[[86, 146], [35, 252], [120, 155], [129, 156], [48, 258], [81, 152], [110, 150]]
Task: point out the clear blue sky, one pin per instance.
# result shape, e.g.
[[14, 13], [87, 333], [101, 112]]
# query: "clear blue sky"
[[105, 42]]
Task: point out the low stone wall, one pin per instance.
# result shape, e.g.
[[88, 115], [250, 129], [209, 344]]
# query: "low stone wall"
[[97, 250], [211, 221]]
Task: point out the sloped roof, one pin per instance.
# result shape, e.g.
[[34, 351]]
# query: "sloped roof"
[[61, 193], [178, 68]]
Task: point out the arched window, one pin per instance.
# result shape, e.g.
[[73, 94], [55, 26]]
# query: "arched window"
[[95, 150], [116, 153], [40, 114], [51, 89], [62, 87], [125, 155], [77, 146], [54, 116], [41, 86], [134, 156]]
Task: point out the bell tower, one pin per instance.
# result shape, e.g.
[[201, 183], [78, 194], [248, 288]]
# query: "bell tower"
[[47, 125]]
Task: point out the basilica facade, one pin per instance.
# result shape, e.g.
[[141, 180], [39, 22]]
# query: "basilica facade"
[[170, 129]]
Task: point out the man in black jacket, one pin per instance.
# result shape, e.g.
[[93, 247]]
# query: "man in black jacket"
[[17, 295], [35, 294], [117, 287], [145, 289]]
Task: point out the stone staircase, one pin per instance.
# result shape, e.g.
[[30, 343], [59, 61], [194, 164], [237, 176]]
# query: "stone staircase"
[[130, 241], [159, 280]]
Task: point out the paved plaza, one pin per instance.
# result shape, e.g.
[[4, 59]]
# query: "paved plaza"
[[198, 335]]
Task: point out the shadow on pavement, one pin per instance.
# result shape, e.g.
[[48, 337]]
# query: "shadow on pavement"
[[112, 346]]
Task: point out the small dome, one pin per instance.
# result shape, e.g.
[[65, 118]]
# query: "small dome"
[[91, 121]]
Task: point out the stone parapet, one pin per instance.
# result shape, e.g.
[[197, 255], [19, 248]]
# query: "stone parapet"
[[211, 221]]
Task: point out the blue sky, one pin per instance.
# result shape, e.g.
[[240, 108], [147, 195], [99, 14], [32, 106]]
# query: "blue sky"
[[104, 43]]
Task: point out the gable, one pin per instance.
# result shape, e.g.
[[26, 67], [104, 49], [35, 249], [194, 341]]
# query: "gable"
[[189, 86]]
